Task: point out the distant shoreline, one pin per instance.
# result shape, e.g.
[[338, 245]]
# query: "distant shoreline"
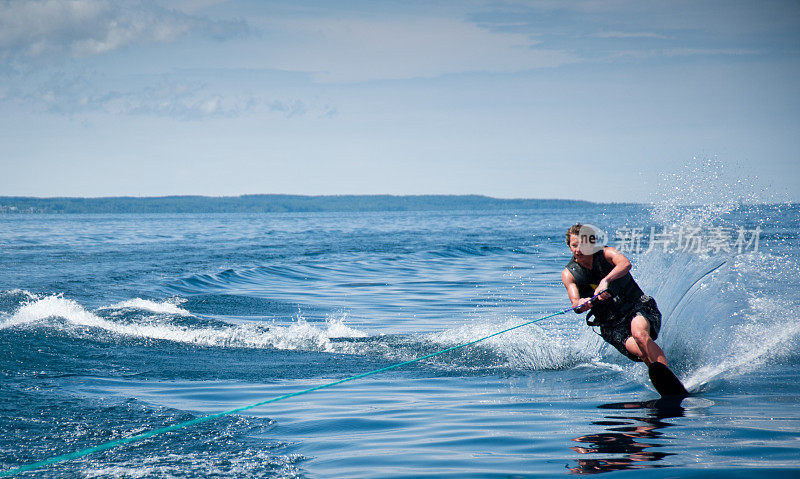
[[271, 204]]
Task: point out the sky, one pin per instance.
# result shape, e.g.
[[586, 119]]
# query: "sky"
[[594, 100]]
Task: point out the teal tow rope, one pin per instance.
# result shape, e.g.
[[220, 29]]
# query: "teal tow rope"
[[138, 437]]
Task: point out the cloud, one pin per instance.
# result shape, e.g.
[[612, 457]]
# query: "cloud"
[[365, 49], [181, 99], [625, 35], [177, 99], [37, 28], [604, 30], [649, 53], [683, 52]]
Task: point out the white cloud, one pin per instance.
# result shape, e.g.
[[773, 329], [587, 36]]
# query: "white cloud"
[[181, 99], [363, 49], [641, 54], [89, 27], [624, 35], [680, 52]]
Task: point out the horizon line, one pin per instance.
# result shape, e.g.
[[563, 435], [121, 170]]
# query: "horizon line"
[[298, 195]]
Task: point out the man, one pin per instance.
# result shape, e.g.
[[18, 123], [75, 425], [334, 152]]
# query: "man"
[[629, 320]]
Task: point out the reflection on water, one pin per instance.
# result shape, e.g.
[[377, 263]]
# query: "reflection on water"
[[631, 431]]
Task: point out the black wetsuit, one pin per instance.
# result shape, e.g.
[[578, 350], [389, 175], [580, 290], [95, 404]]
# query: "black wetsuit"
[[627, 300]]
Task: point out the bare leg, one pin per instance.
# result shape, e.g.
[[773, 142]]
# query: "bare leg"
[[641, 344]]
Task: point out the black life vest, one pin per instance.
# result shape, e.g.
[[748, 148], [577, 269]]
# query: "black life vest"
[[624, 291]]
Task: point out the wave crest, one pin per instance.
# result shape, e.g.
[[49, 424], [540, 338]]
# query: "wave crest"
[[169, 306], [299, 335]]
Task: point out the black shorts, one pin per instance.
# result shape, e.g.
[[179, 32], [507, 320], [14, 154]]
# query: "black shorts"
[[616, 331]]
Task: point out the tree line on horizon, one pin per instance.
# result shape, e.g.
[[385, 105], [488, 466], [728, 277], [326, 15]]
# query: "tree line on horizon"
[[269, 204]]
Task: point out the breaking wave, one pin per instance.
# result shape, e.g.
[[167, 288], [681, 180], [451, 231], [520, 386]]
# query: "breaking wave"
[[528, 348], [58, 312]]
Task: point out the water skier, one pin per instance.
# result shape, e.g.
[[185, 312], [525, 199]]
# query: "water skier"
[[629, 320]]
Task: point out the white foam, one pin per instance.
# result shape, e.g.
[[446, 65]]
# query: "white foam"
[[47, 307], [239, 463], [764, 335], [529, 347], [337, 329], [727, 323], [169, 306], [15, 292], [299, 335]]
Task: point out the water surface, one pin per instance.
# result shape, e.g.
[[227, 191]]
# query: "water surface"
[[117, 324]]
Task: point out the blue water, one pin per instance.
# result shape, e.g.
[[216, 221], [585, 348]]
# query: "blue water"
[[112, 325]]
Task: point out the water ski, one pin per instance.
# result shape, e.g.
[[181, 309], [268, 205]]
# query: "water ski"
[[665, 381]]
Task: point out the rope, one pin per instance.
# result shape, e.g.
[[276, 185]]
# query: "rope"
[[138, 437]]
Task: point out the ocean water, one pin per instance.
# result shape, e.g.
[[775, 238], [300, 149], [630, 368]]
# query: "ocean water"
[[113, 325]]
